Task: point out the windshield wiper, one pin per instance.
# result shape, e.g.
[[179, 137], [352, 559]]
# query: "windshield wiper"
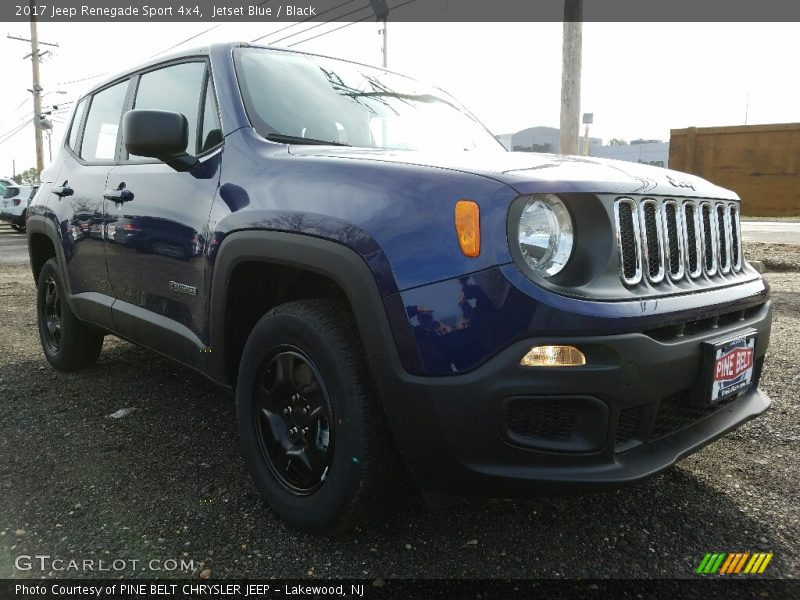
[[293, 139]]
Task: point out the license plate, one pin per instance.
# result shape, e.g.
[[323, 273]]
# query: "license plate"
[[730, 365]]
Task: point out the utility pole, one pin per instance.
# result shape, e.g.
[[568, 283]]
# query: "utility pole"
[[381, 10], [571, 77], [588, 119], [36, 89], [746, 107], [385, 45]]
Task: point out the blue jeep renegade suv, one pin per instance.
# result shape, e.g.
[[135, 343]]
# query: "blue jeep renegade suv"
[[383, 284]]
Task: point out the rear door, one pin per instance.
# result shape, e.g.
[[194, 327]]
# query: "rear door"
[[87, 159], [155, 241]]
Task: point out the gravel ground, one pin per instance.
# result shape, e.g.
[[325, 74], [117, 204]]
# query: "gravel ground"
[[166, 481], [776, 257]]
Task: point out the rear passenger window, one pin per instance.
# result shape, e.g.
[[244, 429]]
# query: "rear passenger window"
[[72, 141], [102, 124], [176, 89]]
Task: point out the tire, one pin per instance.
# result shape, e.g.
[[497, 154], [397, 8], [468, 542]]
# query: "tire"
[[68, 343], [308, 355]]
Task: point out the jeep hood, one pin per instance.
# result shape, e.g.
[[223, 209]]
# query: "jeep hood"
[[529, 172]]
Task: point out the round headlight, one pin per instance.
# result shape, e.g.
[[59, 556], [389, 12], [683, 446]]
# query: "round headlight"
[[545, 234]]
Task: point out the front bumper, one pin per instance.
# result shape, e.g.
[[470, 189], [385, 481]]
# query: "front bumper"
[[505, 430]]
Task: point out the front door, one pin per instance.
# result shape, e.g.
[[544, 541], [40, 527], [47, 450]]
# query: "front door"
[[156, 232]]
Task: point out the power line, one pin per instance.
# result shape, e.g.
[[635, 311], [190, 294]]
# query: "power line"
[[189, 39], [24, 119], [313, 37], [83, 79], [21, 39], [258, 39], [368, 17], [15, 132], [307, 29], [21, 104]]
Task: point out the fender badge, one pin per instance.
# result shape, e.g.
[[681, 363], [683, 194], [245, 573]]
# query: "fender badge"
[[182, 288]]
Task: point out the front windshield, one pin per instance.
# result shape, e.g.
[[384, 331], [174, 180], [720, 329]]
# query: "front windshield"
[[303, 98]]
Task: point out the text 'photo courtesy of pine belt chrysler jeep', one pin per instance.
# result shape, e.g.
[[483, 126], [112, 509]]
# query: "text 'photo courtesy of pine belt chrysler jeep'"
[[386, 288]]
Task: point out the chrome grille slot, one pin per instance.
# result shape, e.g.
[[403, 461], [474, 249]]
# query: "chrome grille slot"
[[708, 222], [693, 246], [667, 239], [628, 240], [673, 239], [736, 242], [723, 238], [652, 236]]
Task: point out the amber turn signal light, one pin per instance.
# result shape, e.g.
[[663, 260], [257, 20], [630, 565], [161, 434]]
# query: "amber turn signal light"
[[468, 227], [553, 356]]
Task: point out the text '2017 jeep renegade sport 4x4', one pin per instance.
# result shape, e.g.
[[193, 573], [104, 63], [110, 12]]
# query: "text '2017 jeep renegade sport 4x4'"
[[357, 257]]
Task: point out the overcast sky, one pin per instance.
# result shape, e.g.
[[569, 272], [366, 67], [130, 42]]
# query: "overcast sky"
[[639, 79]]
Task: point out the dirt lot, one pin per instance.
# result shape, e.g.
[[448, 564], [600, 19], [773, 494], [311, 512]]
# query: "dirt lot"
[[166, 481]]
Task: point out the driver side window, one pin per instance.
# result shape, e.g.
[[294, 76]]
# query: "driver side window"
[[176, 89]]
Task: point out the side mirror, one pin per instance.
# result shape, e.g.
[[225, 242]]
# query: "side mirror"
[[158, 134]]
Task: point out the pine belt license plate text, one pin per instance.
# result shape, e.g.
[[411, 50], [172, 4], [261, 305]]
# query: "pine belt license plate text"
[[730, 365]]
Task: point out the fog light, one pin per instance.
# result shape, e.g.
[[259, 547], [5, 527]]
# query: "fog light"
[[553, 356]]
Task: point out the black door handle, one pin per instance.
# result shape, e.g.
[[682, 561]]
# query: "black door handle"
[[119, 195], [63, 190]]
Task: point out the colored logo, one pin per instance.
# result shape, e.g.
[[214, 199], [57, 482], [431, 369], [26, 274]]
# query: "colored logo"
[[733, 364], [731, 563]]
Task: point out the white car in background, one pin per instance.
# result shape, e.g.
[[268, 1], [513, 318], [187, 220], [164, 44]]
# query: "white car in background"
[[14, 204], [4, 183]]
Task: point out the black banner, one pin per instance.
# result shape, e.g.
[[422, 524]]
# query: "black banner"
[[378, 589], [398, 10]]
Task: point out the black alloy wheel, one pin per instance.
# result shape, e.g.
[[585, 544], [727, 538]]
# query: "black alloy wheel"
[[311, 430], [68, 343], [294, 420], [52, 314]]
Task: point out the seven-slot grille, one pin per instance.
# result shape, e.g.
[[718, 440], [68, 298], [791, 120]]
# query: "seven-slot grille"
[[676, 239]]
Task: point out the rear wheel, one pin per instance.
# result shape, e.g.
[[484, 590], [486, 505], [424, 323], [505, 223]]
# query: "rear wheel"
[[311, 431], [68, 343]]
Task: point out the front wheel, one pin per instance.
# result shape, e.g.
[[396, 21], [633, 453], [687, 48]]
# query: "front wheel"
[[312, 433], [68, 343]]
